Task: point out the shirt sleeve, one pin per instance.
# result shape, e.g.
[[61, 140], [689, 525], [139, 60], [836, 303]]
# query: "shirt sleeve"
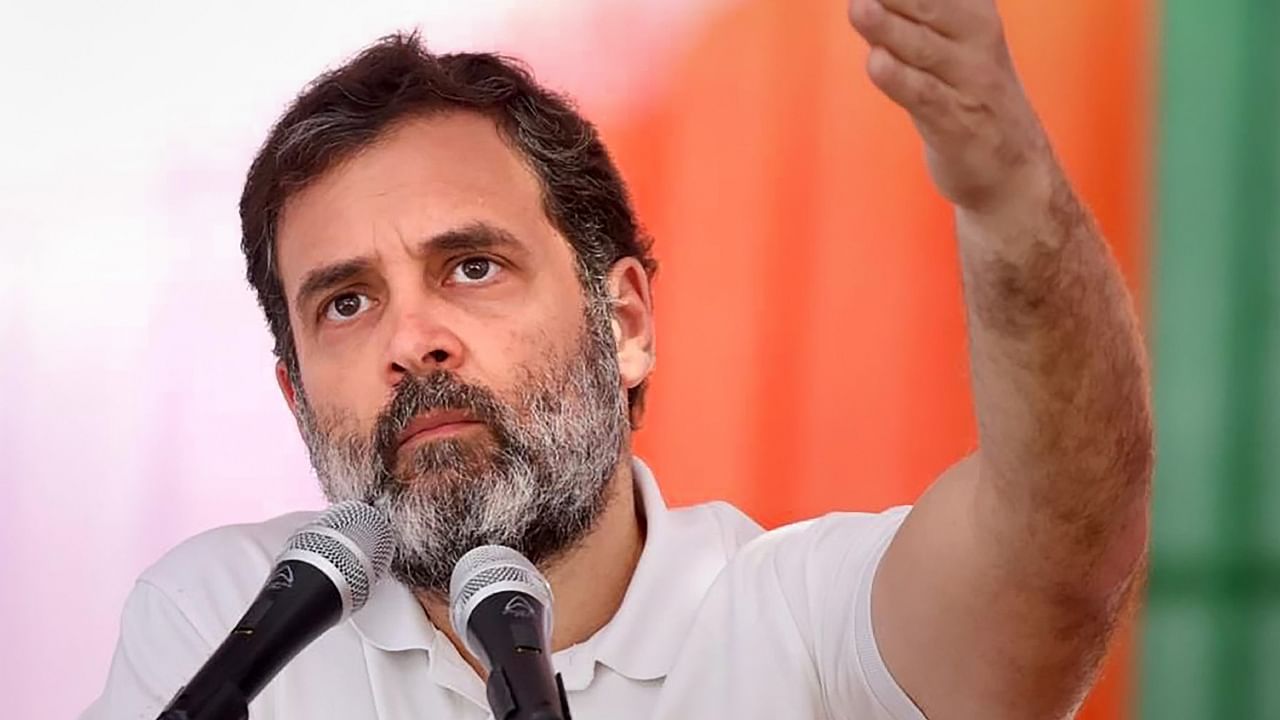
[[159, 649], [828, 572]]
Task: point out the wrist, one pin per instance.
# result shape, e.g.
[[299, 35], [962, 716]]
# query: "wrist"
[[1025, 195]]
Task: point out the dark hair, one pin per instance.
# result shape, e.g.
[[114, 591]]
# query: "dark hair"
[[397, 78]]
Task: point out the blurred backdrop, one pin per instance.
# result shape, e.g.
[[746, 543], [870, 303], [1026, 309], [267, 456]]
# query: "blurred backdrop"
[[811, 352]]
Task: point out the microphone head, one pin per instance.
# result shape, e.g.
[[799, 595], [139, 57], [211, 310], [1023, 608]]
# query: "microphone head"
[[351, 543], [491, 569]]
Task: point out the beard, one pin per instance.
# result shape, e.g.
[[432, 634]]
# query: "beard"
[[537, 481]]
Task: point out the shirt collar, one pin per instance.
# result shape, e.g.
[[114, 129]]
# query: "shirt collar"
[[393, 620], [683, 553]]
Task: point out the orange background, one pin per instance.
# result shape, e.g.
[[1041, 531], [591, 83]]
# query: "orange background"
[[810, 329]]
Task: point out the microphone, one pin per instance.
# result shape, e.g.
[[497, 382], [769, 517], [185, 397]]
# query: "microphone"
[[323, 575], [501, 606]]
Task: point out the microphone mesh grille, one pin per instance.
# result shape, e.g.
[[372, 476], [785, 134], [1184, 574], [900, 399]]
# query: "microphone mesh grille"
[[489, 555], [489, 564], [366, 528], [492, 575]]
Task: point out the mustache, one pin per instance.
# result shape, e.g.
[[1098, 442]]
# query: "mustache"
[[437, 391]]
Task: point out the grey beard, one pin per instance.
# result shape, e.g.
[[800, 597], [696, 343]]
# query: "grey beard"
[[537, 483]]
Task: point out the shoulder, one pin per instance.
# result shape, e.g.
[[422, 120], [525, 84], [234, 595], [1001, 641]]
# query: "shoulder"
[[225, 553], [816, 562], [717, 523], [812, 553], [832, 539], [181, 608], [210, 576]]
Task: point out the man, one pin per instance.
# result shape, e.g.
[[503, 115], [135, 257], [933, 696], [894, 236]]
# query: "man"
[[461, 306]]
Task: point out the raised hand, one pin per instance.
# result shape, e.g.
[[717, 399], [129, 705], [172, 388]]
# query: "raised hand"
[[947, 63], [999, 594]]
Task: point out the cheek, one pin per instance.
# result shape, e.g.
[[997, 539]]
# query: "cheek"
[[345, 388], [503, 352], [510, 357]]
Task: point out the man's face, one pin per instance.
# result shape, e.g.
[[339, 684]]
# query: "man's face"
[[453, 369]]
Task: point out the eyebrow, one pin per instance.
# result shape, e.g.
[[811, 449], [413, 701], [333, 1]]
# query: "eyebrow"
[[472, 237]]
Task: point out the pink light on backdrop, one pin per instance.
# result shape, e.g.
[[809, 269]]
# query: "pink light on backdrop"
[[135, 379]]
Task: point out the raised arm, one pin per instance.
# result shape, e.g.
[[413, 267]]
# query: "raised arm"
[[998, 596]]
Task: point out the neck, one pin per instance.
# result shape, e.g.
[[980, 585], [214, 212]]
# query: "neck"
[[589, 581]]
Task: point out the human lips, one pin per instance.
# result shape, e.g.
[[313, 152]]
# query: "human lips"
[[435, 424]]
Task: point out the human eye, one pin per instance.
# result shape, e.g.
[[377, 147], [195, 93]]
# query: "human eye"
[[474, 271], [346, 307]]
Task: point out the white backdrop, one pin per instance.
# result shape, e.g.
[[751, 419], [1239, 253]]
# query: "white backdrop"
[[137, 405]]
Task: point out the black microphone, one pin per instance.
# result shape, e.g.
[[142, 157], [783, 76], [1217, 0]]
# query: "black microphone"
[[501, 606], [324, 574]]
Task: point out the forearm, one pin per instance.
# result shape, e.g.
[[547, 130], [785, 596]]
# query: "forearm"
[[1060, 392], [996, 597]]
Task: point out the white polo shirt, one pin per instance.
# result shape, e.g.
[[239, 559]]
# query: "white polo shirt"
[[721, 620]]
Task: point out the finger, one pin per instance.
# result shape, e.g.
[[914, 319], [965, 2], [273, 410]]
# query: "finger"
[[946, 17], [909, 41], [931, 102]]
